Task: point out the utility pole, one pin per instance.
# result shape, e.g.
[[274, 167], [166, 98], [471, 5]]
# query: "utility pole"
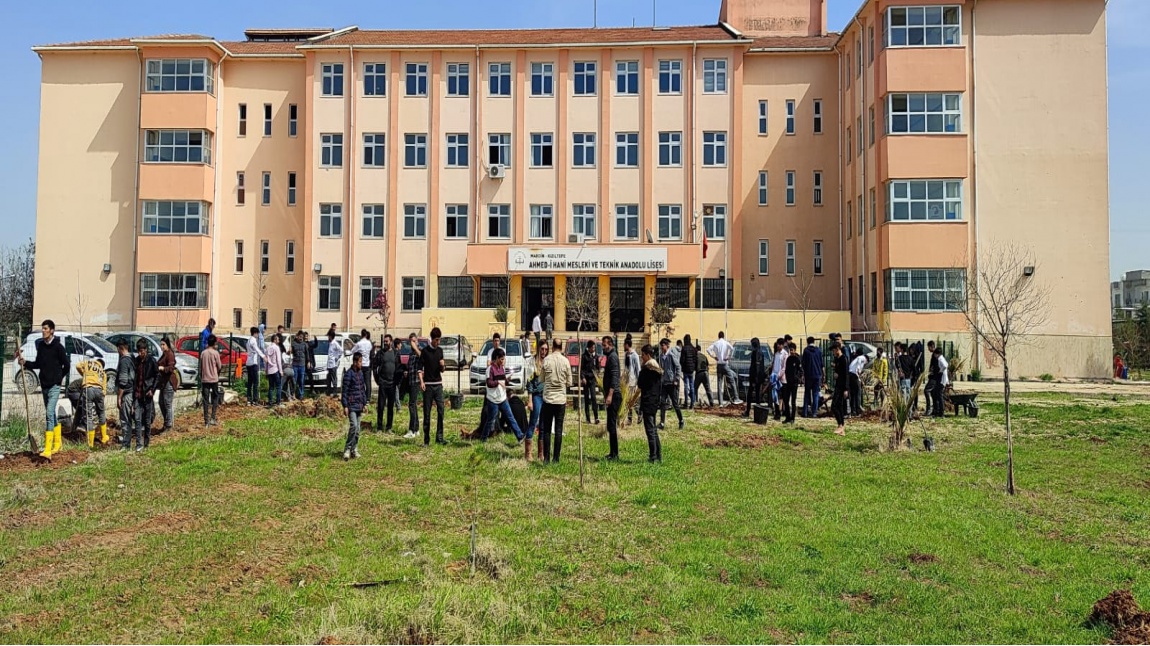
[[595, 20]]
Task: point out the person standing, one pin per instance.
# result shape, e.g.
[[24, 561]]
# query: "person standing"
[[841, 389], [721, 350], [431, 385], [756, 375], [147, 380], [556, 377], [94, 385], [857, 365], [252, 367], [631, 366], [353, 396], [611, 398], [652, 389], [54, 365], [778, 375], [210, 366], [812, 378], [688, 365], [275, 371], [881, 371], [703, 377], [299, 352], [588, 380], [496, 399], [167, 386], [125, 398], [537, 328], [384, 369], [535, 388], [670, 375], [363, 347], [208, 331], [929, 364], [793, 374], [549, 326], [919, 359], [414, 368], [331, 363], [940, 378]]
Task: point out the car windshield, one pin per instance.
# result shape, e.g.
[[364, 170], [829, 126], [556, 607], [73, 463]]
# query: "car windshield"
[[576, 348], [321, 347], [448, 341], [511, 347], [406, 349], [742, 352], [101, 342]]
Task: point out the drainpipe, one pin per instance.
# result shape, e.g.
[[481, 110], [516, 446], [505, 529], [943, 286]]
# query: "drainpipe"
[[864, 236], [216, 193], [842, 249], [136, 214], [695, 181], [972, 260], [349, 229], [477, 142]]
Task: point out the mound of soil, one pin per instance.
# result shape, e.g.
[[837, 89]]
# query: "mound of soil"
[[27, 461], [320, 408], [1122, 613]]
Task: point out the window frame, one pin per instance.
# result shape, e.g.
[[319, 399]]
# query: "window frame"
[[374, 150], [415, 150], [717, 215], [414, 221], [817, 257], [266, 189], [201, 217], [460, 78], [764, 188], [289, 257], [292, 188], [154, 146], [376, 73], [950, 298], [890, 29], [544, 214], [179, 292], [415, 71], [625, 147], [717, 73], [500, 144], [764, 113], [331, 80], [458, 152], [715, 149], [626, 78], [238, 257], [589, 72], [542, 150], [293, 120], [673, 215], [265, 256], [581, 214], [376, 214], [791, 188], [670, 141], [333, 286], [626, 215], [954, 114], [454, 214], [242, 120], [331, 147], [499, 215], [792, 260], [817, 188], [792, 108], [583, 150], [154, 80], [499, 79], [764, 257], [416, 287], [673, 75], [817, 119], [334, 218], [944, 202], [544, 73], [371, 287], [269, 120]]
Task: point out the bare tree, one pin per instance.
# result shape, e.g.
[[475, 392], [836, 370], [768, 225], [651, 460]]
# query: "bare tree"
[[801, 284], [259, 291], [583, 308], [662, 315], [1003, 304], [17, 286]]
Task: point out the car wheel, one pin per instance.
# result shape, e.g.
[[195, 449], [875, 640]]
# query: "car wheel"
[[26, 382]]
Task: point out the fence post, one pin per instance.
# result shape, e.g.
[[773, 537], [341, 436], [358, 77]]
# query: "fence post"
[[3, 383]]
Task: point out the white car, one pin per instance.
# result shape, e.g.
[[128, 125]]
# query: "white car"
[[76, 345], [520, 366], [187, 367], [344, 339]]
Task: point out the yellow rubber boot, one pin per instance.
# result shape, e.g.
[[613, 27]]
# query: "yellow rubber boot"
[[91, 439], [49, 442], [59, 435], [103, 434]]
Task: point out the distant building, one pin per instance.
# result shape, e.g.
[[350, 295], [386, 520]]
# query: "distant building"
[[1130, 293]]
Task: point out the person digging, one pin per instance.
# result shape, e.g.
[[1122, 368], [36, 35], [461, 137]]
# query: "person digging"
[[53, 363], [94, 384]]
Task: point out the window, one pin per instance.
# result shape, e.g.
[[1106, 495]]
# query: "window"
[[817, 180], [456, 226], [493, 291], [874, 292], [542, 79], [457, 150], [240, 192], [239, 266], [924, 113], [413, 294], [329, 296], [850, 220], [714, 149], [918, 200], [499, 149], [847, 69], [331, 150], [237, 318], [330, 220], [243, 125], [178, 146], [627, 222], [417, 79], [584, 78], [859, 57], [763, 195], [262, 317], [289, 258], [583, 155], [542, 219], [332, 78], [873, 209], [288, 319], [370, 288], [180, 75], [670, 149], [862, 295], [818, 257], [674, 292], [717, 293], [499, 79], [764, 257], [375, 79], [293, 120], [670, 222], [498, 220], [715, 76], [175, 218], [265, 256], [373, 220], [174, 291], [291, 193], [862, 137], [542, 149], [790, 116], [924, 290], [870, 44], [374, 149], [870, 134], [627, 149], [715, 221], [267, 119], [583, 220], [923, 26], [851, 295], [266, 194], [415, 150], [762, 117], [849, 147], [627, 77], [818, 122], [790, 188], [671, 77], [458, 79], [790, 257], [415, 220]]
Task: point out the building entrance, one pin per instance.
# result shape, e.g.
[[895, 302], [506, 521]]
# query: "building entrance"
[[627, 299], [538, 295]]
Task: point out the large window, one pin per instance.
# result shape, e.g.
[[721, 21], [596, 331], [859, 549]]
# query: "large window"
[[456, 291], [456, 225], [178, 146], [180, 75], [330, 220], [716, 293], [415, 150], [715, 76], [499, 79], [374, 149], [673, 292], [331, 150], [627, 222], [417, 79], [498, 220], [542, 221], [499, 149], [174, 291], [627, 77], [413, 293], [670, 222], [542, 79], [918, 200], [178, 218], [415, 220], [583, 155], [671, 77], [583, 221], [924, 290], [923, 26], [542, 149], [714, 149], [458, 79], [585, 78], [373, 220], [457, 150], [329, 296], [375, 79], [493, 291], [627, 149], [331, 75], [715, 221], [670, 148], [370, 287], [924, 113]]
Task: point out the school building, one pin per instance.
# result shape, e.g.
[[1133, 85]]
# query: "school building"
[[741, 172]]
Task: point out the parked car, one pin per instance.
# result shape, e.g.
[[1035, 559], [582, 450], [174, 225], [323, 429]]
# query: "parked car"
[[741, 362], [322, 348], [520, 366], [457, 352], [574, 349], [76, 345], [187, 366], [405, 351], [229, 355], [868, 350]]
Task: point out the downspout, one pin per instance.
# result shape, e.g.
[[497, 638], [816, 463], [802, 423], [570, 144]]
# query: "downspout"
[[695, 182], [349, 228], [217, 191], [842, 249], [477, 143], [972, 261], [865, 189], [136, 214]]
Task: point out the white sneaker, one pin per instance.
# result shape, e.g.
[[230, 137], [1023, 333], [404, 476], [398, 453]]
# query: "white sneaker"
[[346, 456], [410, 435], [355, 454]]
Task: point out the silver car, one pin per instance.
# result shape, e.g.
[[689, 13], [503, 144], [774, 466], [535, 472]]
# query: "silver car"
[[456, 352], [187, 366]]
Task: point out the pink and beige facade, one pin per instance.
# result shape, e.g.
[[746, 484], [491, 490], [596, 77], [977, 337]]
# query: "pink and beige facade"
[[294, 176]]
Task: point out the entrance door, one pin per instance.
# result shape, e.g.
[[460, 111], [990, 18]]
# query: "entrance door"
[[538, 298], [627, 311]]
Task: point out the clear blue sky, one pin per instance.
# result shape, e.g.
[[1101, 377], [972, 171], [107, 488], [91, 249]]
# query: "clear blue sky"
[[29, 23]]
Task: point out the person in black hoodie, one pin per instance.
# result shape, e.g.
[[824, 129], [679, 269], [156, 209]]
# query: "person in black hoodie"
[[383, 368], [54, 364], [841, 387], [650, 393], [147, 378], [588, 379], [756, 375], [414, 366], [612, 398], [793, 369], [689, 363]]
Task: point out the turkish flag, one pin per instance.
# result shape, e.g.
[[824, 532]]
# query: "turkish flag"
[[704, 243]]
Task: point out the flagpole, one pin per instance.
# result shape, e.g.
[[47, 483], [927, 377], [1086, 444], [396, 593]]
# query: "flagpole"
[[702, 257]]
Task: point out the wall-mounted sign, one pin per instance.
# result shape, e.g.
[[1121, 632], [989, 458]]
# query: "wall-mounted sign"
[[596, 260]]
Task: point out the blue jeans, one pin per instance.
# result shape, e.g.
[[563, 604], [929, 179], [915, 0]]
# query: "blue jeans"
[[536, 411], [493, 412], [253, 384], [689, 384], [275, 388], [51, 398], [300, 375], [812, 396]]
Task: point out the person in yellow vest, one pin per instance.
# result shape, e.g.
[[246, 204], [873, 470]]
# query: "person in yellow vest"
[[94, 385], [881, 370]]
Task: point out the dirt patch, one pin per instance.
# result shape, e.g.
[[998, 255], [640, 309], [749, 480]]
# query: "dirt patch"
[[920, 558], [745, 441], [319, 408], [859, 601], [316, 433], [121, 537], [1122, 613], [28, 461]]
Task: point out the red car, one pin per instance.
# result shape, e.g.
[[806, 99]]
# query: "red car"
[[574, 350], [405, 351], [236, 355]]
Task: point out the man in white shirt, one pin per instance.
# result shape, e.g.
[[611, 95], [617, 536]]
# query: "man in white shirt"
[[778, 375], [721, 350], [537, 327], [252, 366], [856, 369], [940, 380], [363, 346]]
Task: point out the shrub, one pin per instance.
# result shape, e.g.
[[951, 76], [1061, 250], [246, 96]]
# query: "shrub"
[[976, 375], [1047, 377]]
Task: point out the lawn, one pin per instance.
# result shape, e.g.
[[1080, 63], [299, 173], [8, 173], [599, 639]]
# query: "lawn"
[[257, 531]]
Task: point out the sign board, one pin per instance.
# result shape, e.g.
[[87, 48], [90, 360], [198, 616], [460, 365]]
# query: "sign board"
[[594, 260]]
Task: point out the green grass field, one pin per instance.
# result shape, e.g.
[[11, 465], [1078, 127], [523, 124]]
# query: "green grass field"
[[256, 531]]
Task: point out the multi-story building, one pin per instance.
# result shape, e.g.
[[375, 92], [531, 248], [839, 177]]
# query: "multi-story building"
[[741, 170], [1130, 293]]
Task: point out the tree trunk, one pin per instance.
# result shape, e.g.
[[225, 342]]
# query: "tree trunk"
[[1009, 430], [582, 393]]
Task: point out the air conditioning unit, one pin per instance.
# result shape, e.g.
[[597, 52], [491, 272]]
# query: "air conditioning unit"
[[574, 238], [497, 171]]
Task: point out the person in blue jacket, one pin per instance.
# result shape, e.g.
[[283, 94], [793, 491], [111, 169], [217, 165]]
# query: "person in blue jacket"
[[812, 377]]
